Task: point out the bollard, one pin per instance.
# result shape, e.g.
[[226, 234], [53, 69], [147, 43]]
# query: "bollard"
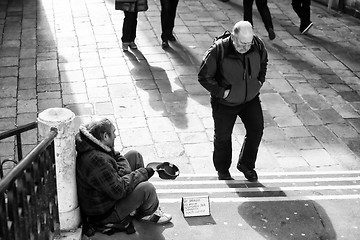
[[65, 157]]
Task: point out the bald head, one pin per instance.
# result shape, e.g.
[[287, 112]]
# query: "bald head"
[[242, 36], [244, 31]]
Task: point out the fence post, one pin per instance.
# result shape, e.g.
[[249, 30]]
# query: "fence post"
[[65, 156]]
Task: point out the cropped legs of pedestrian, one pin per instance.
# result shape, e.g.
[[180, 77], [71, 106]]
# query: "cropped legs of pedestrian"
[[168, 15], [129, 29], [302, 9], [264, 13]]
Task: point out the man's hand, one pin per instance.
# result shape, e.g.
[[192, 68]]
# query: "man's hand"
[[150, 172], [226, 93]]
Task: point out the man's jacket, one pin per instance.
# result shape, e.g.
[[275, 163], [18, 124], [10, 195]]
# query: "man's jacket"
[[103, 176], [242, 74]]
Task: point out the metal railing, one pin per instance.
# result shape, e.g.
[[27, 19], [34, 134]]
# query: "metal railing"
[[28, 195]]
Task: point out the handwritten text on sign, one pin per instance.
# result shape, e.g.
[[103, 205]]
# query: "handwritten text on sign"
[[195, 206]]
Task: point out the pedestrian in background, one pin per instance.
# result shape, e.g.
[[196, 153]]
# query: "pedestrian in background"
[[264, 13], [302, 9], [168, 14], [131, 9], [234, 77]]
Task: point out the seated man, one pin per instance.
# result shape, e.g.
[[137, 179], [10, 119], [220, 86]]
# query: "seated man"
[[112, 189]]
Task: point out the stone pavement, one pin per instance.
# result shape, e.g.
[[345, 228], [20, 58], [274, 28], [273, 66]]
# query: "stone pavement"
[[67, 54]]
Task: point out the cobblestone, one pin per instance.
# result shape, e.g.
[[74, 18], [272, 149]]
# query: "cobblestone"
[[69, 55]]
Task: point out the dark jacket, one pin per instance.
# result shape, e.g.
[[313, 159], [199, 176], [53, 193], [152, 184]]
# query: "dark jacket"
[[132, 6], [103, 176], [243, 74]]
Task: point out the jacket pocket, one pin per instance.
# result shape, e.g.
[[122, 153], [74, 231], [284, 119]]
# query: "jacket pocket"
[[253, 89]]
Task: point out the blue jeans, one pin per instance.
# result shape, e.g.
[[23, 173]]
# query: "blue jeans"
[[224, 117], [263, 10], [143, 199], [168, 14]]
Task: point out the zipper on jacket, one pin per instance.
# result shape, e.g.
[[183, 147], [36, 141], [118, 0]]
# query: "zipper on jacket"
[[246, 76]]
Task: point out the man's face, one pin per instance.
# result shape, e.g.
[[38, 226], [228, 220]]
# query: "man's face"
[[109, 139], [242, 45]]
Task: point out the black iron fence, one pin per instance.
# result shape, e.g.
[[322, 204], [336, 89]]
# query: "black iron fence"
[[28, 195]]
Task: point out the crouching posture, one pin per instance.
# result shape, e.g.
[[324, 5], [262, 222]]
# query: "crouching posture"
[[112, 189]]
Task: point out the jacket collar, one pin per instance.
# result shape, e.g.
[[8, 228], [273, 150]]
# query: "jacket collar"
[[88, 135]]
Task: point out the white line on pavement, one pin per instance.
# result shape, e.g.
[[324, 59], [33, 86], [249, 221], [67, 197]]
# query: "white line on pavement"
[[270, 199], [292, 180], [257, 189]]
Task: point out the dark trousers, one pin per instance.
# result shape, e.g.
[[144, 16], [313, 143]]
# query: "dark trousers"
[[129, 27], [263, 10], [224, 117], [168, 14], [302, 9]]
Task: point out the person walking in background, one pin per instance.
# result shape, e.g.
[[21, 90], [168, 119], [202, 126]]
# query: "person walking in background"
[[302, 9], [113, 188], [264, 13], [168, 14], [131, 9], [234, 77]]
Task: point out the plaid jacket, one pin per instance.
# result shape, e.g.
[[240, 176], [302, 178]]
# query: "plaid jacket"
[[103, 176]]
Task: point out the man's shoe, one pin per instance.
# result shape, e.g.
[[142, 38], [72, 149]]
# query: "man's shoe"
[[125, 46], [132, 45], [271, 34], [158, 217], [250, 174], [224, 176], [305, 28], [165, 44]]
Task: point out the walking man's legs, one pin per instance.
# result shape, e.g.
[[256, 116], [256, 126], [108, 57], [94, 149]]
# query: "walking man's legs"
[[224, 120], [264, 13], [252, 117], [302, 9], [247, 4]]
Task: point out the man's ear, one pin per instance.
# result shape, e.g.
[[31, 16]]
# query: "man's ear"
[[105, 136]]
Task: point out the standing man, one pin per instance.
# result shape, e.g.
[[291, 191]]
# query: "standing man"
[[112, 189], [168, 14], [234, 77], [302, 9], [264, 13]]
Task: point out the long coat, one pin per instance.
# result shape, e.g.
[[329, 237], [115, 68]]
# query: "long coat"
[[134, 6]]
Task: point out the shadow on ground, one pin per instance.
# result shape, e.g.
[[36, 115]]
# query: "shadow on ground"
[[284, 220], [144, 231]]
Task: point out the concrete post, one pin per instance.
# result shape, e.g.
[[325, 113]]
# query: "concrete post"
[[65, 155]]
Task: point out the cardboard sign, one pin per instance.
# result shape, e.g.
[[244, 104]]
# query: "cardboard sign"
[[195, 206]]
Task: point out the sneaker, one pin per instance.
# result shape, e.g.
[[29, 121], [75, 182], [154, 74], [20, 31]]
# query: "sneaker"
[[158, 217], [125, 46], [271, 34], [224, 176], [250, 174], [305, 28], [132, 45]]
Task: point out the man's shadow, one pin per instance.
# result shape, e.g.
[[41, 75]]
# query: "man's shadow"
[[165, 98], [283, 219]]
